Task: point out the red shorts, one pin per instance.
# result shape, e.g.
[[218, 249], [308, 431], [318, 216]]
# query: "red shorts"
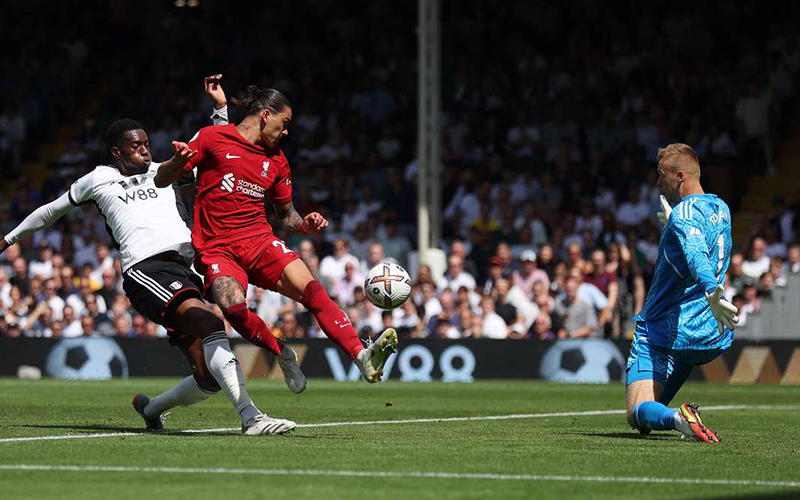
[[259, 259]]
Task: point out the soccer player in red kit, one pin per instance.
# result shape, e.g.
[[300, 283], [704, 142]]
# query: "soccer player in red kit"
[[240, 169]]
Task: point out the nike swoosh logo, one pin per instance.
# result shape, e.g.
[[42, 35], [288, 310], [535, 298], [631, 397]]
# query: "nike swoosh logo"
[[230, 156]]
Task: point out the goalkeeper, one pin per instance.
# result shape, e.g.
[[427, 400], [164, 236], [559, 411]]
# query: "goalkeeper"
[[685, 320]]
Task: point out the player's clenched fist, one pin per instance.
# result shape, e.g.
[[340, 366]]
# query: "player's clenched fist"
[[314, 223]]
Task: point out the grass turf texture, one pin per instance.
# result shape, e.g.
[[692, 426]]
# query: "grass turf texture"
[[758, 444]]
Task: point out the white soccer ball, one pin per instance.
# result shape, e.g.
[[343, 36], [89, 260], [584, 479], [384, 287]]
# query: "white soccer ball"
[[387, 285]]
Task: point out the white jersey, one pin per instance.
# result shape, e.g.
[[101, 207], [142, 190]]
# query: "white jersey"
[[143, 220]]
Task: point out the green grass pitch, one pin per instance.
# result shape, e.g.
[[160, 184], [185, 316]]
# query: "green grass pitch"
[[559, 456]]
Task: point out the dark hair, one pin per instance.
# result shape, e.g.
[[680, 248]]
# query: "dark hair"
[[256, 99], [118, 128]]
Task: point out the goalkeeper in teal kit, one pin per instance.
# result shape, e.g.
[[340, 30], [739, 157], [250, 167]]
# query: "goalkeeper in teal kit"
[[685, 320]]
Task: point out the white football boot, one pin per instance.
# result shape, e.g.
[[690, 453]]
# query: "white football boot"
[[264, 425], [373, 358]]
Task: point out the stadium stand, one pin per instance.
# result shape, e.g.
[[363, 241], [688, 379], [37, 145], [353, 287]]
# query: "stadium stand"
[[549, 154]]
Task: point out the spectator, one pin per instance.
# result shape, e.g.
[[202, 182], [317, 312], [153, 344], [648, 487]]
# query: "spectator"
[[777, 270], [332, 266], [766, 285], [139, 326], [792, 265], [289, 328], [375, 255], [55, 302], [38, 322], [495, 273], [87, 326], [20, 277], [758, 263], [43, 266], [102, 324], [447, 300], [736, 277], [752, 301], [493, 326], [529, 274], [108, 292], [606, 282], [67, 283], [542, 328], [122, 327], [506, 310], [456, 276], [345, 288], [71, 324], [430, 303], [579, 318]]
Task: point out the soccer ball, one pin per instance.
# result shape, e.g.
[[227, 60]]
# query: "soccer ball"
[[387, 285], [87, 358], [583, 361]]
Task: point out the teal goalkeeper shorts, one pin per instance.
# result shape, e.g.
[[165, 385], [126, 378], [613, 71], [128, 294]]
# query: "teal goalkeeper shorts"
[[651, 362]]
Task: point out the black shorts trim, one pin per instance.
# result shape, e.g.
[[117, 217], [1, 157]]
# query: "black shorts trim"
[[156, 288]]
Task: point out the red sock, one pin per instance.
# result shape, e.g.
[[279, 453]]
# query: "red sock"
[[251, 327], [333, 321]]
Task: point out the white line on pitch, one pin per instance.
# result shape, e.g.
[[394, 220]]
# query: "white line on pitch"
[[399, 474], [384, 422]]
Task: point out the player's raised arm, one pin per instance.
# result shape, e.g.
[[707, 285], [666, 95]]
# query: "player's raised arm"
[[40, 218], [294, 223], [213, 88], [171, 170]]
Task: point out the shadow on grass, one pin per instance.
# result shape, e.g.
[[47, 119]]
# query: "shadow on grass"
[[778, 495], [93, 429], [625, 435], [87, 428]]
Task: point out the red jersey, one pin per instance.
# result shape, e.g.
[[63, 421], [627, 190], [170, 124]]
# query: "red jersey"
[[233, 177]]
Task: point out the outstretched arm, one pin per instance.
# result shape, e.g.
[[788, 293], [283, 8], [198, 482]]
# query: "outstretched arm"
[[42, 217], [294, 223]]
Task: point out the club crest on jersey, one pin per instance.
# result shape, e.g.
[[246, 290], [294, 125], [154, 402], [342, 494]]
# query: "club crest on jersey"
[[265, 166], [215, 269], [176, 285]]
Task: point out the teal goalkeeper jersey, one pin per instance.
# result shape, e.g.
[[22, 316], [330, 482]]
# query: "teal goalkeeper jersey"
[[693, 256]]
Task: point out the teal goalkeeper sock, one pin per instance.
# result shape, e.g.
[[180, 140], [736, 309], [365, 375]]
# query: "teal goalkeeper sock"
[[654, 415]]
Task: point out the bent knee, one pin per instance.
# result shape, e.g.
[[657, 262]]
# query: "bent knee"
[[206, 381], [196, 315]]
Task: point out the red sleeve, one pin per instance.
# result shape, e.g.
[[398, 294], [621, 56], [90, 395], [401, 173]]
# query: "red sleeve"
[[197, 143], [281, 191]]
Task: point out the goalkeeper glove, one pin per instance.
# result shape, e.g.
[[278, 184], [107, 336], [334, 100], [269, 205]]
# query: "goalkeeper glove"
[[663, 215], [724, 312]]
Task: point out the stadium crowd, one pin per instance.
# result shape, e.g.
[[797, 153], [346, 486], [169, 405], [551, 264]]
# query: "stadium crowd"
[[549, 143]]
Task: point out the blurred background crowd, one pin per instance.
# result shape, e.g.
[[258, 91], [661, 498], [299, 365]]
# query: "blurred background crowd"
[[553, 114]]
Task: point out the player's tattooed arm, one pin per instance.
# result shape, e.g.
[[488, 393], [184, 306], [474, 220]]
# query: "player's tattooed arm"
[[294, 223], [290, 218], [227, 292]]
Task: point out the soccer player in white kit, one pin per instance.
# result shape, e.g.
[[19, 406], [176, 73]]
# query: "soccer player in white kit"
[[155, 246]]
